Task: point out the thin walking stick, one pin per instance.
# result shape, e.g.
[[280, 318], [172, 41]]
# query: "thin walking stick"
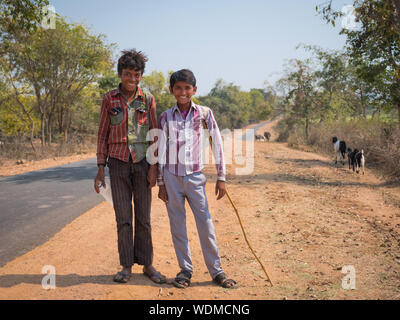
[[240, 221]]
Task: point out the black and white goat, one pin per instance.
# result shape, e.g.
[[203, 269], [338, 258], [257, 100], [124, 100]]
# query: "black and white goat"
[[267, 135], [357, 160], [339, 147], [350, 157], [259, 137]]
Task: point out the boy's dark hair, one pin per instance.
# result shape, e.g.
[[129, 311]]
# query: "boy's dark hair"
[[132, 59], [184, 75]]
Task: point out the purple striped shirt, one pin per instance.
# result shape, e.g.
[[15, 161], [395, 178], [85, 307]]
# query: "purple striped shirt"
[[182, 142]]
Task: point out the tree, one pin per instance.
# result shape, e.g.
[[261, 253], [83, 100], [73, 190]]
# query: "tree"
[[20, 15], [56, 65], [301, 96], [158, 85], [376, 42], [108, 82]]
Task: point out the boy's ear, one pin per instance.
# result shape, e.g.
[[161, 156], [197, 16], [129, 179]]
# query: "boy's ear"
[[170, 89], [194, 90]]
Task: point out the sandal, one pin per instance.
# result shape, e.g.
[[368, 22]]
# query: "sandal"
[[224, 282], [182, 279], [122, 277], [156, 277]]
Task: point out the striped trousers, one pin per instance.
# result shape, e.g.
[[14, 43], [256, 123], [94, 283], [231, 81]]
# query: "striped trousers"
[[129, 178]]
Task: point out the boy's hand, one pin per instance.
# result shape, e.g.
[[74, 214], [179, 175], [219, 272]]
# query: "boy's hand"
[[100, 179], [162, 193], [152, 176], [220, 189]]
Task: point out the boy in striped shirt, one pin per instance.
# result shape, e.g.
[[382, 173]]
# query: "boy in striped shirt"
[[180, 176], [127, 114]]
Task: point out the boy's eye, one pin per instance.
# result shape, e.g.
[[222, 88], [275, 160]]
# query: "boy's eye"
[[131, 75]]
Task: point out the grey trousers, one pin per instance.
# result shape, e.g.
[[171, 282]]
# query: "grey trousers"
[[191, 187], [127, 178]]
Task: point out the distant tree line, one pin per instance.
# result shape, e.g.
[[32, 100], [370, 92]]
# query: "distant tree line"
[[48, 77]]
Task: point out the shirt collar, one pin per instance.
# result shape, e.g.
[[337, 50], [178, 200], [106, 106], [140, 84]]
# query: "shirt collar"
[[116, 91], [192, 105]]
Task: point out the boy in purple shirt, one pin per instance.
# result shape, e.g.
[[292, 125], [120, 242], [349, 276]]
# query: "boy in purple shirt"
[[180, 176]]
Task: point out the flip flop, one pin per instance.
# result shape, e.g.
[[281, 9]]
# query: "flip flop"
[[224, 282], [156, 277], [182, 279], [121, 277]]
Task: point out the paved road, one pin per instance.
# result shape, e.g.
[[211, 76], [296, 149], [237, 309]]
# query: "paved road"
[[255, 128], [36, 205]]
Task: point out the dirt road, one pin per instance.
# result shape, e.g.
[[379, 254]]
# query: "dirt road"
[[305, 218]]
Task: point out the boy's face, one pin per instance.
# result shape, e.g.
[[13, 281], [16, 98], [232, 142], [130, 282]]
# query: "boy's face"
[[183, 92], [130, 78]]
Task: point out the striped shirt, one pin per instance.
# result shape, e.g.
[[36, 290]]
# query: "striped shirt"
[[112, 137], [182, 140]]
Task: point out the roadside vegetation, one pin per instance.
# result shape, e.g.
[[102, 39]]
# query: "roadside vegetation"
[[52, 82]]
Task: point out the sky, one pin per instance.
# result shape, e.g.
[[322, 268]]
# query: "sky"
[[244, 42]]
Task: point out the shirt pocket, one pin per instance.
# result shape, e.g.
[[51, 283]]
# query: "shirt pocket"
[[116, 116], [141, 117]]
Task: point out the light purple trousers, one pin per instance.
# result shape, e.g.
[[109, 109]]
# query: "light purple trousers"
[[191, 187]]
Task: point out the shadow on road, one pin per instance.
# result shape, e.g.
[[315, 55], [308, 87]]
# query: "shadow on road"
[[261, 179], [68, 280]]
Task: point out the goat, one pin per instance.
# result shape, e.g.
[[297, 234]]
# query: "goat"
[[360, 161], [259, 137], [352, 157], [267, 135], [349, 157], [339, 147], [356, 159]]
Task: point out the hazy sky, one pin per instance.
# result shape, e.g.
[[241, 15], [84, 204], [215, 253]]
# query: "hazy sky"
[[244, 42]]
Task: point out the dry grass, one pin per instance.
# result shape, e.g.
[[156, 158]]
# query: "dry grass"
[[379, 140], [10, 151]]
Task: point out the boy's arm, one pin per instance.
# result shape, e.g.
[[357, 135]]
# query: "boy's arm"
[[217, 145], [152, 130], [162, 147], [153, 154], [103, 132]]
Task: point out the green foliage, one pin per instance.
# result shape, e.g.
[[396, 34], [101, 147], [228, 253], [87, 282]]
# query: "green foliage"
[[374, 46], [232, 107], [20, 14], [108, 82], [55, 66], [158, 85]]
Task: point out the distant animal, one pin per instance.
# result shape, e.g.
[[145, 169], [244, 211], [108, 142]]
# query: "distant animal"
[[350, 157], [339, 148], [356, 160], [267, 135], [360, 161], [259, 137]]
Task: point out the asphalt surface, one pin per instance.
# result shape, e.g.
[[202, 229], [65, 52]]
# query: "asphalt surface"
[[36, 205], [255, 128]]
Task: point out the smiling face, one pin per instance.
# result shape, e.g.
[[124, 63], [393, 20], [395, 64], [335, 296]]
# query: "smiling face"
[[130, 78], [183, 92]]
